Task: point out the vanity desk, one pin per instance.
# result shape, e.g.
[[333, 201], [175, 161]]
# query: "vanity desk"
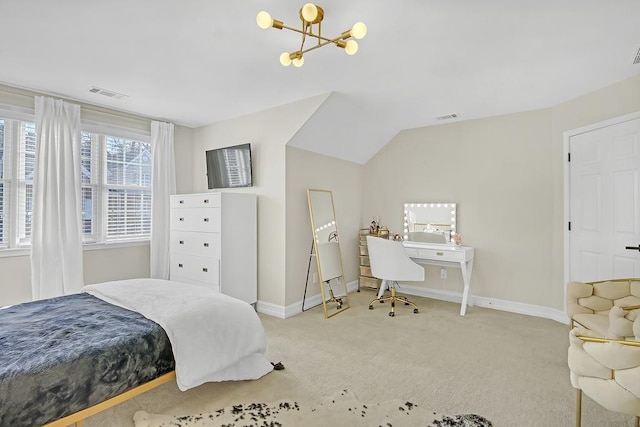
[[445, 255]]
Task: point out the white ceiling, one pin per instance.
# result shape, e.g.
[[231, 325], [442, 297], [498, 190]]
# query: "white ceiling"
[[196, 62]]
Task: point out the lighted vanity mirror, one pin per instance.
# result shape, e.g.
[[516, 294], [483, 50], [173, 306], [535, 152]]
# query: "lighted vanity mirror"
[[429, 222], [326, 245]]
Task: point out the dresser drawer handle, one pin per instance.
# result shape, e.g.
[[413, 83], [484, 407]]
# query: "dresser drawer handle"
[[180, 265], [181, 219], [206, 200], [206, 220], [205, 269], [182, 242], [440, 253], [181, 202], [206, 245]]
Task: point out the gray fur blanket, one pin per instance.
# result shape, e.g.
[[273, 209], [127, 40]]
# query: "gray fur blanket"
[[62, 355]]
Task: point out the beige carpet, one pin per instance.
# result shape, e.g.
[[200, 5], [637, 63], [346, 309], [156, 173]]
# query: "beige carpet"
[[510, 368], [341, 409]]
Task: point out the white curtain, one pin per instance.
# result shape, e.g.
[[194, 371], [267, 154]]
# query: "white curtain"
[[164, 185], [56, 239]]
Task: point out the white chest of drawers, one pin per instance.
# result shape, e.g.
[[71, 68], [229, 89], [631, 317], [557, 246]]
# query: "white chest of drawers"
[[214, 242]]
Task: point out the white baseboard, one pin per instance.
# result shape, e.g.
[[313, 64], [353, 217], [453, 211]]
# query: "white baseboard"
[[456, 297], [485, 302], [284, 312]]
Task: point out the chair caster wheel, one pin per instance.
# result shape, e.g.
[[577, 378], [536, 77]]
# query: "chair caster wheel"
[[406, 303], [381, 302], [370, 307], [391, 314], [415, 310]]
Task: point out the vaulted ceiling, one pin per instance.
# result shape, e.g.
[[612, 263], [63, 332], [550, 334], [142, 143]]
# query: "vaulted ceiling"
[[196, 62]]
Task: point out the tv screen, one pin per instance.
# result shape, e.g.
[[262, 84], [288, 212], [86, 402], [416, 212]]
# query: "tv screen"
[[229, 167]]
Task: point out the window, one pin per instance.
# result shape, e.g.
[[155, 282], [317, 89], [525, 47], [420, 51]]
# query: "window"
[[124, 184], [17, 161], [128, 187], [116, 185]]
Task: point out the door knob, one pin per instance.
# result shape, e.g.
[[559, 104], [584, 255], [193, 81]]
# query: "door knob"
[[633, 248]]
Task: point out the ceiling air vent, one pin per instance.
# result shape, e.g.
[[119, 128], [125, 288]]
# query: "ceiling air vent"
[[107, 93], [636, 56], [447, 117]]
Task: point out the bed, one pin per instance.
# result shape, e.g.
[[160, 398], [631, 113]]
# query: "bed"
[[66, 358]]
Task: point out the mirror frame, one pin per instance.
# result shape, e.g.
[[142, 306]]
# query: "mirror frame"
[[453, 227], [341, 302]]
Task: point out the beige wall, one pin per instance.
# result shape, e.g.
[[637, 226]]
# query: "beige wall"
[[498, 171], [309, 170], [268, 132], [506, 174], [15, 280], [183, 153]]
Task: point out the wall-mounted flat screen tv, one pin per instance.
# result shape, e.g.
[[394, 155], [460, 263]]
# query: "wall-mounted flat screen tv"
[[229, 167]]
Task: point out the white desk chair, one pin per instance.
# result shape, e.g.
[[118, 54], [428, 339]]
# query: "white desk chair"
[[391, 263]]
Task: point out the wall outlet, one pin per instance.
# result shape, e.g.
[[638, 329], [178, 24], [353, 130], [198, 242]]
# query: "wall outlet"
[[315, 277], [443, 273]]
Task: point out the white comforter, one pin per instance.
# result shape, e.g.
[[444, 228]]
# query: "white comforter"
[[214, 337]]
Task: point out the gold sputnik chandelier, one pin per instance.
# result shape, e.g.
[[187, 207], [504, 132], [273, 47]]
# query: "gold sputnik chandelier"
[[311, 15]]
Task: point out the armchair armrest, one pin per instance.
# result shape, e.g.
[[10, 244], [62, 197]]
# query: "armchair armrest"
[[606, 340]]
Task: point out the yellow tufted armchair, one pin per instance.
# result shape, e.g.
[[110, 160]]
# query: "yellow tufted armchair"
[[604, 344]]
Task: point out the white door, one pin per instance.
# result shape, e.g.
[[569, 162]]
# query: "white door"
[[605, 202]]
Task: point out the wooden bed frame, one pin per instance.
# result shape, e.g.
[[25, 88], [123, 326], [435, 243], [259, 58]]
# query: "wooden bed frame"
[[77, 418]]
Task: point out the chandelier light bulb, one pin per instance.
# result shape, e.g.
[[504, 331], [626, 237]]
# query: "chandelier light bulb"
[[351, 48], [359, 30], [298, 62], [264, 20], [285, 59], [309, 12]]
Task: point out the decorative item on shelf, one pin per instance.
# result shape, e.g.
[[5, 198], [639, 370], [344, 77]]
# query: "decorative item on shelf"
[[311, 14], [456, 238], [397, 237], [374, 228]]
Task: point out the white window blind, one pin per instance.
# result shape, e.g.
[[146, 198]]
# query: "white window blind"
[[127, 188], [27, 162]]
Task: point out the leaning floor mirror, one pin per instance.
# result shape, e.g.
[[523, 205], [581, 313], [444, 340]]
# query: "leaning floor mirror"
[[326, 247]]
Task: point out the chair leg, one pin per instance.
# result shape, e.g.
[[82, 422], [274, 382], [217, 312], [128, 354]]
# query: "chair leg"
[[578, 407], [393, 298]]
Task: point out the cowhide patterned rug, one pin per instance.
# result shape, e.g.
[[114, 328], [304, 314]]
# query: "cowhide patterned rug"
[[342, 409]]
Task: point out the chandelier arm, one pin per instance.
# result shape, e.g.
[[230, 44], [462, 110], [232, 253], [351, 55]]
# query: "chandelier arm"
[[297, 30], [305, 26], [324, 43]]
